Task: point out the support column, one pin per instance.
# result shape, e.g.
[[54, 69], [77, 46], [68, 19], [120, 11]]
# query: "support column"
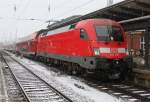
[[132, 49], [147, 51]]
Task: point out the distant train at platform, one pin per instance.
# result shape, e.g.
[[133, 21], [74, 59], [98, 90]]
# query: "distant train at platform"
[[88, 46]]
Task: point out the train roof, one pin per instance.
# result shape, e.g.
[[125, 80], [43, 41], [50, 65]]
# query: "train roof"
[[94, 20], [27, 38]]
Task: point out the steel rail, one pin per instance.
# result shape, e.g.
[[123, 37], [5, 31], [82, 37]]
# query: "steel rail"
[[15, 78], [125, 90], [54, 89]]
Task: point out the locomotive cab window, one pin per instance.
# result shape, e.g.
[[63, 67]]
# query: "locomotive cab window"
[[72, 26], [109, 33], [83, 34]]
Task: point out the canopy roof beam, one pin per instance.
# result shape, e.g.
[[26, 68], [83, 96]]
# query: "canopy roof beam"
[[143, 4], [126, 15], [137, 12]]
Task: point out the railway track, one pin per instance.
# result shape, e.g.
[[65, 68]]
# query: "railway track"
[[124, 91], [33, 87], [13, 91]]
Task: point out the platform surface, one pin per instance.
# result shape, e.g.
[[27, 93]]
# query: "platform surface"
[[3, 91]]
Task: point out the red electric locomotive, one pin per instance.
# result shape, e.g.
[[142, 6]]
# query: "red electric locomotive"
[[92, 45]]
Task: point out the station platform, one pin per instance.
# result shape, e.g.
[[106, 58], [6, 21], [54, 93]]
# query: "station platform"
[[140, 73], [3, 91], [141, 76]]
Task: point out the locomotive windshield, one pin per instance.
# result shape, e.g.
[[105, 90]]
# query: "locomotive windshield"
[[109, 33]]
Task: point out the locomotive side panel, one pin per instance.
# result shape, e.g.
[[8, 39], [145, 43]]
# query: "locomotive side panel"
[[67, 46]]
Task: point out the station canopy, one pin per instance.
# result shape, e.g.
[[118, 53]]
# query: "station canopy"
[[124, 12]]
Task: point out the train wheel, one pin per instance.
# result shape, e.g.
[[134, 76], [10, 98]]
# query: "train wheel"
[[124, 72], [69, 70]]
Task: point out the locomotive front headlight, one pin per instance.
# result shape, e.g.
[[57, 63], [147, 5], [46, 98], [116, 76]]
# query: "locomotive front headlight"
[[96, 51], [127, 51], [104, 50]]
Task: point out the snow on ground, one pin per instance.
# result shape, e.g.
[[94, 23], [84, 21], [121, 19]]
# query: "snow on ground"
[[85, 90], [72, 87]]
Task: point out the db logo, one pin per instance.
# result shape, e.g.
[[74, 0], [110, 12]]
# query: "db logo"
[[114, 50]]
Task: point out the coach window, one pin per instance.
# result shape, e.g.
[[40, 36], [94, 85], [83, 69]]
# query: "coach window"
[[83, 34]]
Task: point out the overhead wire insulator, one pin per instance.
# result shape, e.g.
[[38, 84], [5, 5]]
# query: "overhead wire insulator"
[[49, 9], [15, 8]]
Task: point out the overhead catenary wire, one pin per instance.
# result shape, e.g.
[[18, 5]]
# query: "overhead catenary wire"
[[20, 9], [49, 11], [75, 8], [17, 17], [50, 15], [24, 9], [62, 3]]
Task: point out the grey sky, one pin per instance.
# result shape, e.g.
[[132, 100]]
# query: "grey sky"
[[38, 9]]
